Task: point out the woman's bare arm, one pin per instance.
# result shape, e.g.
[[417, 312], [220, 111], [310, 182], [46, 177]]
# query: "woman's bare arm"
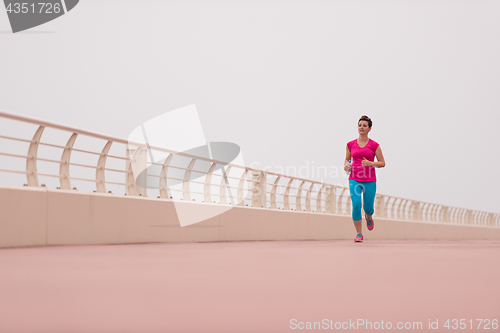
[[347, 158], [380, 160]]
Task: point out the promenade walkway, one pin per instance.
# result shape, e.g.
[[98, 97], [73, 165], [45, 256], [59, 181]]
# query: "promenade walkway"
[[249, 286]]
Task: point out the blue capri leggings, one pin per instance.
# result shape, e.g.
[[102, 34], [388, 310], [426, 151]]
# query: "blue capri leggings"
[[368, 190]]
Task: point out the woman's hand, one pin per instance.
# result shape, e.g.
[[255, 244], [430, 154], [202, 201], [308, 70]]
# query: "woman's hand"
[[347, 166], [365, 162]]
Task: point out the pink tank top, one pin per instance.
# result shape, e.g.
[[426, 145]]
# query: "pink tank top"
[[358, 171]]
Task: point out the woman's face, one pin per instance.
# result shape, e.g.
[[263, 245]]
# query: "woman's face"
[[363, 128]]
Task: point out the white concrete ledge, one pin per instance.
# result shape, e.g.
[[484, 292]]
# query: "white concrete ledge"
[[31, 216]]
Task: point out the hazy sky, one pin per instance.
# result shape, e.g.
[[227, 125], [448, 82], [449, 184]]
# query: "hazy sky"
[[285, 80]]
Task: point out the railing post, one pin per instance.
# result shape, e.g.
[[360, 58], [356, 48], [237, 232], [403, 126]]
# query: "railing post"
[[330, 202], [403, 211], [31, 170], [339, 201], [241, 186], [223, 185], [380, 206], [454, 216], [135, 167], [263, 189], [259, 189], [286, 197], [485, 218], [273, 193], [64, 167], [100, 174], [433, 217], [398, 210], [298, 197], [469, 217], [207, 195], [163, 177], [424, 212], [444, 215], [490, 220], [460, 216], [318, 199], [393, 208], [308, 198], [186, 190], [416, 213]]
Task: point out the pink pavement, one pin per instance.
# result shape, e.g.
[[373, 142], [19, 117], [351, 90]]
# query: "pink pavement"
[[248, 286]]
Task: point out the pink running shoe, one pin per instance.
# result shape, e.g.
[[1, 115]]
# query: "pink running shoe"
[[359, 238], [369, 222]]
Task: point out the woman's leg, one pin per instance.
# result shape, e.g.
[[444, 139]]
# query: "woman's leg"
[[356, 189], [369, 197]]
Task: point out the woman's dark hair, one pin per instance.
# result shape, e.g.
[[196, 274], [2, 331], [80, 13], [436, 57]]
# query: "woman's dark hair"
[[366, 118]]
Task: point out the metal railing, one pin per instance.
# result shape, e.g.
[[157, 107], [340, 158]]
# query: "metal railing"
[[231, 185]]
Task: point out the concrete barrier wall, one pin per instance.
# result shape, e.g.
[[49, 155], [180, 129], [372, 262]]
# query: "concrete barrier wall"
[[38, 216], [23, 216]]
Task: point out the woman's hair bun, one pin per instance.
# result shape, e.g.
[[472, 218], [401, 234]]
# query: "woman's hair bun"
[[366, 118]]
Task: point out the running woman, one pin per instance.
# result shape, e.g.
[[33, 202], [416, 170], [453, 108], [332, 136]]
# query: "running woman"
[[362, 179]]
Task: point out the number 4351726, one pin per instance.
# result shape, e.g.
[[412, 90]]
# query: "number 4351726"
[[462, 324], [35, 8]]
